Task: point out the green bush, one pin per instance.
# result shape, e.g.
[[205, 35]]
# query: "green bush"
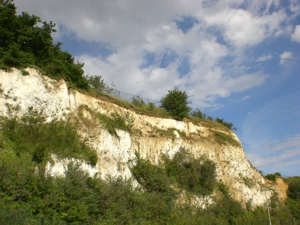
[[197, 113], [34, 137], [138, 101], [98, 83], [80, 199], [271, 177], [153, 178], [294, 190], [176, 103], [226, 124], [197, 175], [116, 121]]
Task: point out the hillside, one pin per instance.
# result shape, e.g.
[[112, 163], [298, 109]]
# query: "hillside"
[[71, 154], [150, 136], [124, 140]]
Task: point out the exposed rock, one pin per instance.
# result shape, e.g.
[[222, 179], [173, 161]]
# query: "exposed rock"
[[56, 101]]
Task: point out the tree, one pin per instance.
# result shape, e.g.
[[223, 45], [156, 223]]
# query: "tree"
[[97, 82], [27, 41], [176, 103]]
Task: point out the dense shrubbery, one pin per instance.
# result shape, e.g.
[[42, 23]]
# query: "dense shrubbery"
[[78, 198], [197, 175], [31, 136], [26, 41], [271, 177], [293, 202]]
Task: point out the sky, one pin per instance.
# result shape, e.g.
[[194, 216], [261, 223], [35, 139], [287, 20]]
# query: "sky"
[[237, 59]]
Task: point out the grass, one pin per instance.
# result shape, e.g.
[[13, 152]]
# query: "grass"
[[249, 182], [170, 132], [116, 121], [224, 138]]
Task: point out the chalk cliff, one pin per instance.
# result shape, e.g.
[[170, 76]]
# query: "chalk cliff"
[[57, 101]]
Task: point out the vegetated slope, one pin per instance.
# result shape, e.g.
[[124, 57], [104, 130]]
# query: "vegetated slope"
[[198, 166], [116, 133], [188, 172]]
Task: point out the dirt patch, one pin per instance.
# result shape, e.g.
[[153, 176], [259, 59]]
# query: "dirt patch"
[[281, 188]]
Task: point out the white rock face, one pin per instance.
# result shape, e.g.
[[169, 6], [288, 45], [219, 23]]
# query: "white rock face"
[[115, 154]]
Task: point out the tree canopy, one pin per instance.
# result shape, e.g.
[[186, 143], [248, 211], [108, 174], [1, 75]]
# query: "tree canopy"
[[176, 103], [25, 40]]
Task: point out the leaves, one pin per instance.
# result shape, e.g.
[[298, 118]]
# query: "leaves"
[[27, 41], [176, 103]]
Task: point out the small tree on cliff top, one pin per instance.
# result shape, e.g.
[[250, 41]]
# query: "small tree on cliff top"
[[176, 103]]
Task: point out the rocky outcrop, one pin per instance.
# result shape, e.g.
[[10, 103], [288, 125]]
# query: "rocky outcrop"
[[55, 100]]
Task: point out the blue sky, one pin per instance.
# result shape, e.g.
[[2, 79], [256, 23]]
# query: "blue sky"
[[237, 59]]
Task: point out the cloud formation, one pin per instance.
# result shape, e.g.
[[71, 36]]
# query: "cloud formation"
[[285, 57], [152, 50], [286, 152], [264, 58], [223, 53], [296, 35]]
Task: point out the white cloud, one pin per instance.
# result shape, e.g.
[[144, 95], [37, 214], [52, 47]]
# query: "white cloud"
[[264, 57], [285, 57], [283, 159], [286, 164], [296, 35], [287, 153], [244, 28], [288, 143], [134, 28], [245, 82]]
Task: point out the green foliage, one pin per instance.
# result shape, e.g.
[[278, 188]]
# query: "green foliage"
[[10, 216], [197, 175], [78, 198], [151, 106], [293, 201], [277, 174], [98, 83], [226, 124], [176, 103], [294, 207], [34, 137], [249, 182], [294, 190], [170, 132], [116, 121], [271, 177], [198, 114], [27, 41], [224, 138], [123, 121], [138, 101], [228, 208], [153, 178]]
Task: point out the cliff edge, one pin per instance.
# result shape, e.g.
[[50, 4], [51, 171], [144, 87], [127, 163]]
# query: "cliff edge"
[[151, 136]]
